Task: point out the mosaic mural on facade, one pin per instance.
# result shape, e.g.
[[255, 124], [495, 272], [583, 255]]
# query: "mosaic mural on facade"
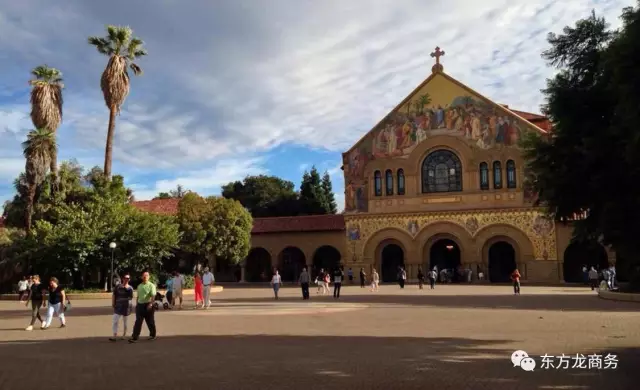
[[533, 223]]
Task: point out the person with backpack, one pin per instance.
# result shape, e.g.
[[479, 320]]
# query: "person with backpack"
[[420, 278], [402, 277], [363, 278]]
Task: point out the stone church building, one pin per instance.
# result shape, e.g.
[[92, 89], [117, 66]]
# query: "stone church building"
[[437, 182]]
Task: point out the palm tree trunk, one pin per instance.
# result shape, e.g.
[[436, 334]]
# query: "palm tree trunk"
[[31, 195], [108, 151], [54, 171]]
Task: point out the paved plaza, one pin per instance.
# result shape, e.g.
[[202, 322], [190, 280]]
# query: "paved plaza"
[[454, 337]]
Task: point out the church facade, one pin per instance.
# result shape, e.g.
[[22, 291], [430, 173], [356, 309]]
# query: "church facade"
[[437, 182]]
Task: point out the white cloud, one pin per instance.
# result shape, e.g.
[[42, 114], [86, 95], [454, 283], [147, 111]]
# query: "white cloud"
[[205, 181], [312, 74]]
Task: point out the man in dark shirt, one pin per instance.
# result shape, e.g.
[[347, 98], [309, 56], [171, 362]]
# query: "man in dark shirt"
[[36, 297], [121, 302]]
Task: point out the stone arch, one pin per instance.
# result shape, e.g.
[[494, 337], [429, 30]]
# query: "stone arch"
[[492, 234], [436, 231], [291, 260], [372, 251], [326, 257], [446, 142], [258, 265]]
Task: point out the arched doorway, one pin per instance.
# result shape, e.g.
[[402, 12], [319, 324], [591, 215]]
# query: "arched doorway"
[[583, 253], [502, 262], [445, 254], [392, 257], [326, 257], [290, 264], [258, 265]]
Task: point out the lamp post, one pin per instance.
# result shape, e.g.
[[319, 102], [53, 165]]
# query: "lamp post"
[[112, 245]]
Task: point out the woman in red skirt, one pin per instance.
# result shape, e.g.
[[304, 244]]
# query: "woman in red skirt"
[[198, 289]]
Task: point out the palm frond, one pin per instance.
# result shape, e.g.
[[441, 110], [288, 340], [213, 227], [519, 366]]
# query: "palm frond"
[[103, 45], [136, 69]]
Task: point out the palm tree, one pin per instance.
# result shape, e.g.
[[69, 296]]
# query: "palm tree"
[[122, 48], [46, 106], [425, 100], [38, 150]]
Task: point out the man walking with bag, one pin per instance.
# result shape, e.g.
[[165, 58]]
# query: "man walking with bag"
[[144, 309], [207, 281]]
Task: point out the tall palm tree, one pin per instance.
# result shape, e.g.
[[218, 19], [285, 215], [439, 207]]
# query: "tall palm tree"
[[122, 48], [46, 106], [38, 150]]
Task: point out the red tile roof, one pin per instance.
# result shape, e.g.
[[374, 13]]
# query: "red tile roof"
[[159, 206], [309, 223], [539, 120]]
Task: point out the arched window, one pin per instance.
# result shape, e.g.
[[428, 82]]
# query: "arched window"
[[441, 172], [388, 181], [400, 182], [497, 175], [484, 176], [511, 174], [378, 183]]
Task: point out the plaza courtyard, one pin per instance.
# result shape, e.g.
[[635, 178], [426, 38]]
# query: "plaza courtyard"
[[454, 337]]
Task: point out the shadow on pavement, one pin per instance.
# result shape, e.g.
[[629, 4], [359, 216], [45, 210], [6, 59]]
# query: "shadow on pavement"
[[292, 362], [504, 301]]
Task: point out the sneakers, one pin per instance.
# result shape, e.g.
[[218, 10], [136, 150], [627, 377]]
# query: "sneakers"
[[133, 341], [151, 338], [63, 325], [30, 327], [43, 326], [112, 339]]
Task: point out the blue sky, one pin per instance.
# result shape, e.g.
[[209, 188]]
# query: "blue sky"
[[242, 87]]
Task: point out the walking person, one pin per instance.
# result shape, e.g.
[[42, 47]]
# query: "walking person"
[[325, 283], [363, 278], [169, 292], [197, 289], [121, 301], [337, 282], [176, 290], [593, 278], [515, 277], [420, 278], [36, 297], [276, 281], [57, 299], [320, 281], [207, 281], [375, 280], [146, 294], [304, 283], [402, 277], [23, 288], [350, 275], [433, 275]]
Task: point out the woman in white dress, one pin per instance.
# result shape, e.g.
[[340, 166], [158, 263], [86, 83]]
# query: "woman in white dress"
[[276, 281], [375, 280]]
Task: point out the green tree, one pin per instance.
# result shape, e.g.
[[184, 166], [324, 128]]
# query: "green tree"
[[264, 196], [327, 188], [38, 150], [590, 162], [46, 106], [214, 227], [312, 194], [123, 49], [178, 193]]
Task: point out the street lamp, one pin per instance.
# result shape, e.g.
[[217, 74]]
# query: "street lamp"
[[112, 245]]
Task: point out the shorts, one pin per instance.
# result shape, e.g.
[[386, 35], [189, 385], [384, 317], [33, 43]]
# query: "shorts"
[[177, 293]]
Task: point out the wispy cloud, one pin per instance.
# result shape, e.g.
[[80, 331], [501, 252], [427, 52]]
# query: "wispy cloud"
[[242, 80]]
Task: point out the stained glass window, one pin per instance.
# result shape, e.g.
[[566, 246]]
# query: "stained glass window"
[[378, 183], [497, 175], [484, 176], [441, 172], [511, 174], [400, 182], [388, 181]]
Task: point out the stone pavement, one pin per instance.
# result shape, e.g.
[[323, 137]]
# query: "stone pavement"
[[454, 337]]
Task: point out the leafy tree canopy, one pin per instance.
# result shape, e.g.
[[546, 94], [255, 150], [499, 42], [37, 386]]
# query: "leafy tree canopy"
[[214, 226], [178, 193], [591, 161]]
